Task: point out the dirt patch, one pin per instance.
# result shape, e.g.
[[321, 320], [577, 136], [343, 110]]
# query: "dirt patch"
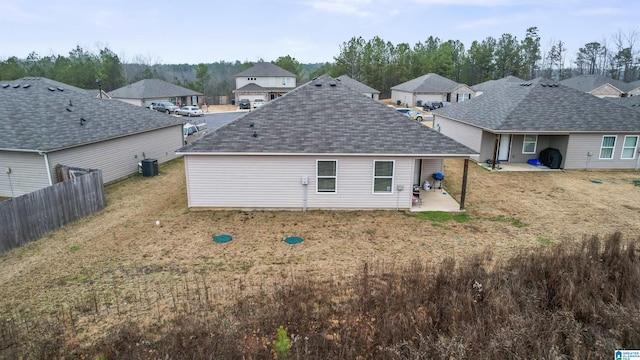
[[118, 263]]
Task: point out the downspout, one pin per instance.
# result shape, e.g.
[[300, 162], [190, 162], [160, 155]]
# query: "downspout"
[[46, 163], [463, 192]]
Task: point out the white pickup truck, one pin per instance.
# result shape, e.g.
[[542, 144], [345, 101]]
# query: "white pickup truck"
[[193, 132]]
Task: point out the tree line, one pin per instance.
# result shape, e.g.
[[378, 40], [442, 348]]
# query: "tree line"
[[375, 62]]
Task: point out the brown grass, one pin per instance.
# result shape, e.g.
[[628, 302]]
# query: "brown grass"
[[117, 271]]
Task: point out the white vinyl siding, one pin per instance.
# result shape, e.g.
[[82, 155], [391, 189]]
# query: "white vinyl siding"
[[28, 172], [529, 144], [579, 146], [327, 176], [629, 147], [607, 148], [468, 135], [274, 182], [285, 82], [118, 158], [383, 177]]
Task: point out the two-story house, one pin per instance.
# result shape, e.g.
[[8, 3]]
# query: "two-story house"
[[265, 81]]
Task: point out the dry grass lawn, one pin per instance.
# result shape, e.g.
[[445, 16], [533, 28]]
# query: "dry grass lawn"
[[119, 265]]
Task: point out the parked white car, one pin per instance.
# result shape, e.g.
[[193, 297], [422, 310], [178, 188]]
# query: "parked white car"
[[189, 111], [193, 132], [258, 103]]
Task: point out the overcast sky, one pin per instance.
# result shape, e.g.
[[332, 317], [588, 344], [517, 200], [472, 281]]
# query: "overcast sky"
[[198, 31]]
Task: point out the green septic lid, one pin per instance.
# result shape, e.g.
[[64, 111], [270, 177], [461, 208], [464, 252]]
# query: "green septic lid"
[[222, 238], [293, 240]]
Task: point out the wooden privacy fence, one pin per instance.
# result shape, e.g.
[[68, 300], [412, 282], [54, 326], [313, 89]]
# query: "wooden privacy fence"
[[36, 214]]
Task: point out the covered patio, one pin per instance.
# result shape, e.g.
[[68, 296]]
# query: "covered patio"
[[436, 200]]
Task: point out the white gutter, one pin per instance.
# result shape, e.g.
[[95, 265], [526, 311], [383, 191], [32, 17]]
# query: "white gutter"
[[327, 154], [46, 163]]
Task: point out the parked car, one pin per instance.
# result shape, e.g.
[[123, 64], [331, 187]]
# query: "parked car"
[[189, 111], [257, 103], [431, 105], [193, 132], [403, 111], [245, 104], [151, 106], [166, 107], [415, 115]]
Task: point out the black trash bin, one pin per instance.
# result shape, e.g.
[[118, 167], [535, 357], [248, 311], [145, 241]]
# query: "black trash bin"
[[398, 102], [233, 101], [149, 167], [419, 103]]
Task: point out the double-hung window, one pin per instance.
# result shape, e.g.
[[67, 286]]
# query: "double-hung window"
[[327, 176], [529, 144], [607, 147], [629, 147], [383, 176]]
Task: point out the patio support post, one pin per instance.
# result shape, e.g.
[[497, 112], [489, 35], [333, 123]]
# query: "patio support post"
[[463, 193], [495, 152]]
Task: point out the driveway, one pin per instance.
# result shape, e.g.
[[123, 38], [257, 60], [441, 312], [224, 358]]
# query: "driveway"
[[217, 120]]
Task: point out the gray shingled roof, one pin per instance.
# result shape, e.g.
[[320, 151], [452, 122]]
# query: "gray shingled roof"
[[513, 107], [265, 69], [37, 117], [429, 83], [357, 85], [490, 84], [632, 102], [633, 85], [588, 83], [326, 119], [151, 89]]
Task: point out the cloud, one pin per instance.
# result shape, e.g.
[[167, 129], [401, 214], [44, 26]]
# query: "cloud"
[[601, 11], [14, 11], [489, 3], [345, 7]]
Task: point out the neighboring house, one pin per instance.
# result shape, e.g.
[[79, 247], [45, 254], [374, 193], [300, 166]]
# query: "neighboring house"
[[633, 88], [632, 102], [144, 92], [45, 122], [321, 146], [431, 87], [359, 87], [597, 85], [516, 121], [263, 80], [490, 84]]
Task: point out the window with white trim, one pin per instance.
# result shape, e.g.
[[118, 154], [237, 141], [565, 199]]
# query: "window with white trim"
[[327, 176], [529, 144], [462, 97], [629, 147], [607, 147], [383, 176]]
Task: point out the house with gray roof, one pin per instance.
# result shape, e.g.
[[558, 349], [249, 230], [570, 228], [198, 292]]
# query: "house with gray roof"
[[431, 87], [45, 122], [356, 85], [632, 102], [490, 84], [515, 122], [633, 88], [320, 146], [265, 81], [144, 92], [598, 85]]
